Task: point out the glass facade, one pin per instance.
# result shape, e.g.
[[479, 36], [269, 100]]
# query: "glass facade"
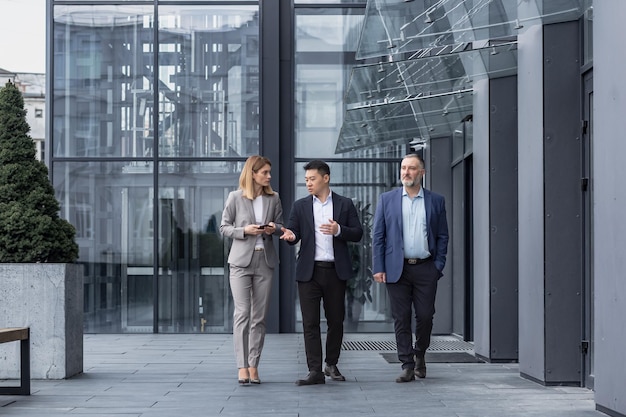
[[152, 120], [154, 110]]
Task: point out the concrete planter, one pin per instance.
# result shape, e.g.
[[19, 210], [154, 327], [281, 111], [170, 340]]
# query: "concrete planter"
[[48, 298]]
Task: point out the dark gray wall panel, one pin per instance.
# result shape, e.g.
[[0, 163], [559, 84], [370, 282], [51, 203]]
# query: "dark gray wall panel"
[[440, 176], [562, 194], [503, 219], [456, 209]]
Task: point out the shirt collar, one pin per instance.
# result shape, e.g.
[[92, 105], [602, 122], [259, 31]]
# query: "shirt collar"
[[419, 194], [329, 199]]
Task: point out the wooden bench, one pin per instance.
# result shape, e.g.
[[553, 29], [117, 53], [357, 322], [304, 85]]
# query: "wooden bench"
[[21, 334]]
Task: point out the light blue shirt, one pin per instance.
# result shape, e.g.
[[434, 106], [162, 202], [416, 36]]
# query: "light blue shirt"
[[322, 212], [414, 230]]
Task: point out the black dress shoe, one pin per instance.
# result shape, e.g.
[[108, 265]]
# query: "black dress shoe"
[[420, 366], [407, 375], [333, 373], [312, 378]]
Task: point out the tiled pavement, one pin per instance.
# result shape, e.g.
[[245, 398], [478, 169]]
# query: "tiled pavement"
[[158, 375]]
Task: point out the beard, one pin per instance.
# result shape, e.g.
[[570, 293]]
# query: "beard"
[[408, 182]]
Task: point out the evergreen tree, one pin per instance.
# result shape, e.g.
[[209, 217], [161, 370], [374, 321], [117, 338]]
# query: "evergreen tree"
[[30, 227]]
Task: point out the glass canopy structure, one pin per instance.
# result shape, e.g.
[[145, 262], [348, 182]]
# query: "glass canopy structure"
[[422, 57]]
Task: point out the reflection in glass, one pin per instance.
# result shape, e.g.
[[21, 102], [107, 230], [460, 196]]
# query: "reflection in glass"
[[194, 295], [102, 81], [111, 206], [148, 227], [208, 81], [323, 38]]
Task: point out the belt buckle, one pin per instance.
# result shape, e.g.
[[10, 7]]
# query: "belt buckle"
[[412, 261]]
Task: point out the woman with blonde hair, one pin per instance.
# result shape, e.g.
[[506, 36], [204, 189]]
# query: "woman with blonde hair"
[[251, 216]]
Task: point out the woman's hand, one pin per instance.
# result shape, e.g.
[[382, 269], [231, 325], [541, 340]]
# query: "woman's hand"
[[252, 230], [270, 228]]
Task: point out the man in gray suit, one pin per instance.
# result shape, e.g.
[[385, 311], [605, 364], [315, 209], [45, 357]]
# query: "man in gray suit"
[[324, 223]]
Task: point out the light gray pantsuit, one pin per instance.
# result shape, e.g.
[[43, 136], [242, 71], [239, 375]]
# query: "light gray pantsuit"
[[251, 272]]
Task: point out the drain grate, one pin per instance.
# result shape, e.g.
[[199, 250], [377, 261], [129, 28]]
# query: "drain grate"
[[441, 345], [369, 345]]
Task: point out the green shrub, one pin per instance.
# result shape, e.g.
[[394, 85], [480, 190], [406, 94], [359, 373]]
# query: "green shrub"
[[30, 227]]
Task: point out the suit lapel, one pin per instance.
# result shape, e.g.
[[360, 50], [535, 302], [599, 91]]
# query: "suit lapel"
[[397, 201], [249, 208], [309, 216], [428, 207], [336, 207]]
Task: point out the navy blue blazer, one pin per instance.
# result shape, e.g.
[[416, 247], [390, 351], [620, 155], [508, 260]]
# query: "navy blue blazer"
[[387, 238], [301, 223]]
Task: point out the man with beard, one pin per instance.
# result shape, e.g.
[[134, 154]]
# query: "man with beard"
[[410, 243]]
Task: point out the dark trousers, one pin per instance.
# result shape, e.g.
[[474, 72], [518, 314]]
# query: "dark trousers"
[[417, 288], [324, 286]]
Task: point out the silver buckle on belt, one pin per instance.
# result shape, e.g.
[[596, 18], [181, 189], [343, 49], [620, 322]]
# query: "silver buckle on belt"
[[411, 261]]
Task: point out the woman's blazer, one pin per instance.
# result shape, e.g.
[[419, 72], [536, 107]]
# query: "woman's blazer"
[[238, 213]]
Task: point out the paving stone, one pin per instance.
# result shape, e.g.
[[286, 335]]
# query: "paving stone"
[[158, 375]]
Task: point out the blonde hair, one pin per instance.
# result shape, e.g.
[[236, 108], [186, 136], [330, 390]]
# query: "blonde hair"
[[246, 182]]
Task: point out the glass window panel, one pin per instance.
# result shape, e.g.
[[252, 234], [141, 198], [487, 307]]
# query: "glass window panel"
[[102, 81], [111, 206], [326, 38], [208, 81], [328, 30], [194, 295]]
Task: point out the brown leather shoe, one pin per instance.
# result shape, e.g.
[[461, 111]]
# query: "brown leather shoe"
[[312, 378], [407, 375], [333, 373], [420, 367]]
